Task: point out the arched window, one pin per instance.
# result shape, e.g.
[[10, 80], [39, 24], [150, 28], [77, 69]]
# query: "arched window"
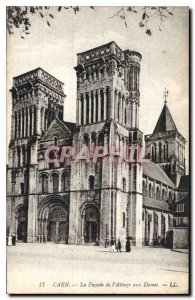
[[155, 152], [22, 188], [157, 193], [152, 153], [125, 116], [18, 155], [23, 155], [44, 182], [28, 155], [92, 107], [124, 184], [123, 219], [166, 150], [65, 182], [150, 190], [87, 108], [82, 110], [118, 113], [91, 182], [86, 139], [55, 141], [160, 152], [170, 197], [163, 195], [55, 178], [102, 104]]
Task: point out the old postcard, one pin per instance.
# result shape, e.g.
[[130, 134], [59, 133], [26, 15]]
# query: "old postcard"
[[98, 150]]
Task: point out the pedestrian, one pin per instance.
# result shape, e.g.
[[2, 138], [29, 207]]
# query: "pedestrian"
[[112, 244], [118, 246], [9, 240], [128, 245]]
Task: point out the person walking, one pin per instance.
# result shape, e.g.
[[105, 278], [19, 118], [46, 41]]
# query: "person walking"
[[118, 246]]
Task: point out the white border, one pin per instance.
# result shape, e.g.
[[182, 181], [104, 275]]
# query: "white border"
[[3, 4]]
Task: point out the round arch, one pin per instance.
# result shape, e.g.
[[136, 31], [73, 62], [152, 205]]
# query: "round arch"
[[53, 219], [90, 223], [21, 222]]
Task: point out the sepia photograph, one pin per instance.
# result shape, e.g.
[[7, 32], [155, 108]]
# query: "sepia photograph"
[[98, 187]]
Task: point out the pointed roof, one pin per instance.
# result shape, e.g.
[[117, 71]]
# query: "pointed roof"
[[165, 122], [155, 172], [58, 128]]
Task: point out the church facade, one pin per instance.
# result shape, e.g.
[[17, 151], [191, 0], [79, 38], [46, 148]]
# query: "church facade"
[[53, 196]]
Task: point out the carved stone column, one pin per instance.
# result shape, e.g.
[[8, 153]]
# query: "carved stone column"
[[32, 120], [94, 106], [84, 109], [24, 122], [20, 123], [28, 126], [80, 111], [105, 104], [120, 107], [111, 105], [115, 106], [38, 121]]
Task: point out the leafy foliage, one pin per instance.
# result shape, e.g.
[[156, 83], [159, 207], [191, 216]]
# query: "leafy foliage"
[[19, 17]]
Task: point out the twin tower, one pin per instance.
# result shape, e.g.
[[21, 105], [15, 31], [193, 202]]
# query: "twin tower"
[[104, 199], [108, 101]]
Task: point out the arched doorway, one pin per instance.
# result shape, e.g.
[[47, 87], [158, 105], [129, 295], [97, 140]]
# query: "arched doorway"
[[57, 224], [21, 224], [53, 219], [90, 224]]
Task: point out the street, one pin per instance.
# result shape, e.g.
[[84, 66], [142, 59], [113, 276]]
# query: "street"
[[64, 269]]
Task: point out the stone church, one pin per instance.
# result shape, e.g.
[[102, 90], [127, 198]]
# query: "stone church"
[[85, 201]]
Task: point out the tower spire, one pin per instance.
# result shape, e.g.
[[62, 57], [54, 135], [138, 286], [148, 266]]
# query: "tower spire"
[[165, 95]]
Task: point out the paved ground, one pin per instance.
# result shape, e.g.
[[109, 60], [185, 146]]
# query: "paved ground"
[[55, 268]]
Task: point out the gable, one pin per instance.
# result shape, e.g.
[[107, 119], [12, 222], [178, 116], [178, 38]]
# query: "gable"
[[56, 129]]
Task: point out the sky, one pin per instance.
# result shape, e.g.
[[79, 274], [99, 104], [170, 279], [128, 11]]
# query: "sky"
[[164, 62]]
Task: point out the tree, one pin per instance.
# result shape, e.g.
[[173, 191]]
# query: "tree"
[[19, 17]]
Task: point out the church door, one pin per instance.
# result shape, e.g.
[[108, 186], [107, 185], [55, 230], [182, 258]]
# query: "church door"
[[57, 229], [91, 234], [22, 225], [63, 232], [52, 231], [22, 231]]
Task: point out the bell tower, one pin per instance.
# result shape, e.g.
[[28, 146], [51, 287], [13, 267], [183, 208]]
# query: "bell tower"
[[36, 97], [166, 146], [107, 116], [108, 86]]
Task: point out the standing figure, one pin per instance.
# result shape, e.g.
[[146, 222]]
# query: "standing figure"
[[128, 245], [118, 246], [9, 240], [112, 244]]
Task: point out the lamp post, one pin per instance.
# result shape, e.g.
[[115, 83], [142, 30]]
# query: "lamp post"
[[106, 235]]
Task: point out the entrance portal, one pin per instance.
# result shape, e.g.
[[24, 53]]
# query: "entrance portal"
[[21, 225], [91, 228], [57, 228]]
